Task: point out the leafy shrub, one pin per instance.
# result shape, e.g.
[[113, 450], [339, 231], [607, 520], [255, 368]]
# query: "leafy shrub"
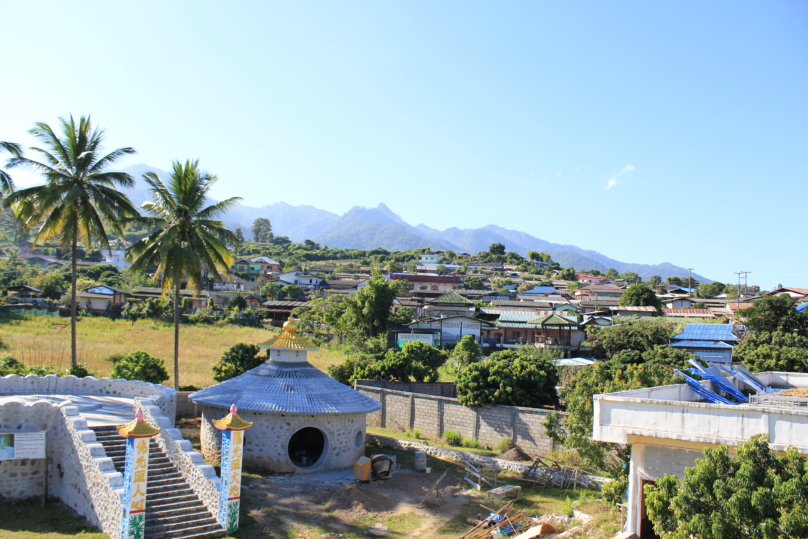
[[614, 491], [140, 366], [79, 370], [472, 443], [413, 433], [466, 352], [452, 438], [10, 365], [237, 302], [503, 445], [509, 377], [189, 388], [568, 508], [238, 360], [205, 315]]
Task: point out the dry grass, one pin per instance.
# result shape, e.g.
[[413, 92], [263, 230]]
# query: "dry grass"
[[46, 341]]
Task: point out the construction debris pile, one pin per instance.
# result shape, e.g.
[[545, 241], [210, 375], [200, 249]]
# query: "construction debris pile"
[[509, 522], [548, 473]]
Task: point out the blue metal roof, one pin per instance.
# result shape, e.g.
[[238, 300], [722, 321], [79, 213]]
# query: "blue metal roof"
[[701, 344], [707, 332], [574, 361], [542, 290], [802, 307], [286, 388]]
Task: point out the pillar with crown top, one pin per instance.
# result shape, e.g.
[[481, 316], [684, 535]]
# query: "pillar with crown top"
[[232, 427], [137, 434]]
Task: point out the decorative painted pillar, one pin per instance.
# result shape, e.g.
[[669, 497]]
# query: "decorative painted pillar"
[[232, 427], [137, 434]]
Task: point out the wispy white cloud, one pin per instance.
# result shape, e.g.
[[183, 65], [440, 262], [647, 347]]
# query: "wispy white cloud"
[[617, 175]]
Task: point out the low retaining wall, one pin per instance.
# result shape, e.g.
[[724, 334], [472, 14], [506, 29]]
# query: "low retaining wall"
[[163, 396], [185, 406], [434, 415]]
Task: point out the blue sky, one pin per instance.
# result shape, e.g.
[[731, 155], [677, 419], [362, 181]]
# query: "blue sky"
[[649, 131]]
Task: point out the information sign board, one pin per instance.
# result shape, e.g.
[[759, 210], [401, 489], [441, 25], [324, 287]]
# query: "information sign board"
[[22, 445]]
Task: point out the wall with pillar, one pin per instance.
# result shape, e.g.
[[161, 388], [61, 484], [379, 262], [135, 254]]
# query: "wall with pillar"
[[433, 415]]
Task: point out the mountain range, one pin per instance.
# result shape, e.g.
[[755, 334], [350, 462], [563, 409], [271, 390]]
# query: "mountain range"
[[368, 228]]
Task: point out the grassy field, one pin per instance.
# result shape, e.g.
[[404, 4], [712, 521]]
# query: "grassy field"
[[46, 341]]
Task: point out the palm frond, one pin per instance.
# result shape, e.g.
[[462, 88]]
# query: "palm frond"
[[219, 208]]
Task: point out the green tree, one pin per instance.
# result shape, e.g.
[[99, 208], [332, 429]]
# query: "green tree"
[[293, 291], [270, 290], [654, 282], [472, 282], [639, 295], [187, 240], [6, 183], [710, 290], [394, 267], [568, 274], [603, 377], [630, 277], [237, 302], [139, 366], [261, 230], [466, 352], [509, 377], [402, 317], [239, 236], [80, 198], [497, 249], [441, 269], [238, 360], [773, 351], [533, 255], [369, 309], [642, 335], [756, 494], [776, 313], [611, 273]]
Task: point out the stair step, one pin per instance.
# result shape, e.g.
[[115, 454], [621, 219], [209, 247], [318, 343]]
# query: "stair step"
[[169, 511], [171, 493], [159, 481], [163, 525], [189, 531], [176, 486], [157, 504]]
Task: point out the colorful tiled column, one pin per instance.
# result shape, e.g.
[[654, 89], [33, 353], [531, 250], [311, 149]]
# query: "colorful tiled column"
[[232, 427], [137, 434]]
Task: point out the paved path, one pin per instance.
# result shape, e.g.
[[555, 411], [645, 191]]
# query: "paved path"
[[99, 410]]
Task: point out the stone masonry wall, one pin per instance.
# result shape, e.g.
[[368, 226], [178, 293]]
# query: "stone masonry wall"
[[200, 476], [78, 470], [434, 415], [163, 396]]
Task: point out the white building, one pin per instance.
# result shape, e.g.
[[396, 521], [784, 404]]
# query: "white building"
[[116, 258], [669, 426], [431, 258]]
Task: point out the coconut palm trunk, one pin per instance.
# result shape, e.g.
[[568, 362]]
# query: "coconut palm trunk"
[[73, 306], [177, 334]]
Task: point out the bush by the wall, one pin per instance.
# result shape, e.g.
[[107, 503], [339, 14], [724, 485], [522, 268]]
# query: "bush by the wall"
[[452, 438], [79, 370], [503, 445], [140, 366]]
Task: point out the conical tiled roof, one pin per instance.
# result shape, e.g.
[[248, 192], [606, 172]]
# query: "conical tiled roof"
[[452, 298], [286, 388], [289, 339]]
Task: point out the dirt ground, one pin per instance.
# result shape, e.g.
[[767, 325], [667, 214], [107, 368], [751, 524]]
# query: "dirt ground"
[[334, 502]]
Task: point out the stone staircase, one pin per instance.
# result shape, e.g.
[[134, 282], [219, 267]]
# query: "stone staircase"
[[173, 510]]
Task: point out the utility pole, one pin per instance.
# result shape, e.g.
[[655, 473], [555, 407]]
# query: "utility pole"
[[690, 282], [739, 273]]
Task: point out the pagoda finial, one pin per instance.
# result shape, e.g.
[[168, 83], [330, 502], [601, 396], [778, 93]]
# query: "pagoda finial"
[[290, 326], [233, 409], [139, 415], [137, 428], [232, 421]]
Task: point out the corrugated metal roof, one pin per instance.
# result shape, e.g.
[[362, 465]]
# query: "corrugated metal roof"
[[451, 298], [707, 332], [701, 344], [285, 304], [553, 320], [705, 312], [574, 361], [633, 308], [286, 388], [515, 316], [540, 290], [515, 325]]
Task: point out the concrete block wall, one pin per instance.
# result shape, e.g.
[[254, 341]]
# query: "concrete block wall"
[[200, 476], [439, 389], [434, 415], [21, 479]]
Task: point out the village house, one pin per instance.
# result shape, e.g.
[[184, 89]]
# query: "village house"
[[599, 291], [451, 328], [351, 285], [428, 281], [99, 299], [301, 278], [431, 258], [710, 342], [196, 300], [255, 267], [116, 258], [620, 310], [799, 293], [592, 279]]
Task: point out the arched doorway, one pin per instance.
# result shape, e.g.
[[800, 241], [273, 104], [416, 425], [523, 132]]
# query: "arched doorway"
[[308, 447]]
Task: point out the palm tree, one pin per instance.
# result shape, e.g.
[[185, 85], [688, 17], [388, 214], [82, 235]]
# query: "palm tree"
[[6, 183], [188, 240], [79, 198]]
